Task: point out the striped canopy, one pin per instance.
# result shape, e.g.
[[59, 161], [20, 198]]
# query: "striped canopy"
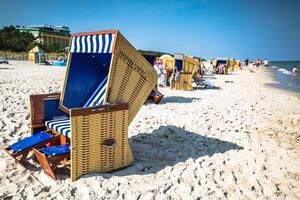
[[101, 43]]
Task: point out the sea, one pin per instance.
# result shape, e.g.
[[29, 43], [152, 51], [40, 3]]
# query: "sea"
[[283, 73]]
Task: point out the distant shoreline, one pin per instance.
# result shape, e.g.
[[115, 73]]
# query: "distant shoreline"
[[285, 79]]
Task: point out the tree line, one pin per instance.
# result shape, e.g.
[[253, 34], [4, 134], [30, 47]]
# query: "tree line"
[[14, 40]]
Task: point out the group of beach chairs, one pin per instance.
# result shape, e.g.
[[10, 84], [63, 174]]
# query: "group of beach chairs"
[[179, 72], [85, 127], [176, 72]]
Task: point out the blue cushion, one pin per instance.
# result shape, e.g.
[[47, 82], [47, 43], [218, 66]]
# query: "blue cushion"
[[62, 126], [56, 150], [31, 141]]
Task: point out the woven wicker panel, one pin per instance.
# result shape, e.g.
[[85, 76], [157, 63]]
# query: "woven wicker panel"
[[169, 63], [190, 65], [131, 77], [184, 82], [88, 153]]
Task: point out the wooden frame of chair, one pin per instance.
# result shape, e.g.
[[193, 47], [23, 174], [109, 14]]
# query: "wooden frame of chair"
[[49, 164], [37, 110], [36, 124], [20, 157]]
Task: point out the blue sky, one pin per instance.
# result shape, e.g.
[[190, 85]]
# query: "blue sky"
[[205, 28]]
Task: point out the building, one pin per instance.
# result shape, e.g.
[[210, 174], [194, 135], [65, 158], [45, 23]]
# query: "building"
[[49, 35]]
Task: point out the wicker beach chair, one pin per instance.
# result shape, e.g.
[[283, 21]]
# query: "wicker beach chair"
[[107, 81], [168, 63], [187, 67], [103, 67]]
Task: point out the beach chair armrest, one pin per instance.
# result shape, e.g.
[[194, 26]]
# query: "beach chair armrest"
[[51, 109], [37, 110], [98, 109]]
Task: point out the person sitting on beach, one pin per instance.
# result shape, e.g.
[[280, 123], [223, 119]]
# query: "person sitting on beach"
[[221, 69], [217, 70], [201, 68], [200, 80]]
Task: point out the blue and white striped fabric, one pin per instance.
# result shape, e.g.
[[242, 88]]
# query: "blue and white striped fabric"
[[97, 97], [92, 44], [60, 125]]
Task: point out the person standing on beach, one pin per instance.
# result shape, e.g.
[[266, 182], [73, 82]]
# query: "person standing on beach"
[[257, 63], [266, 63], [247, 62]]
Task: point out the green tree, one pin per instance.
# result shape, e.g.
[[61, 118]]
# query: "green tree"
[[11, 39], [52, 48]]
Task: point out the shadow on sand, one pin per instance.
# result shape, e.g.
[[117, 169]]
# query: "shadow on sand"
[[165, 146], [178, 99], [168, 145]]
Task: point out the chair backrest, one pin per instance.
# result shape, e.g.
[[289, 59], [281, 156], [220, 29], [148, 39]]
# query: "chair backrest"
[[186, 64], [87, 69], [179, 61], [104, 67], [168, 62]]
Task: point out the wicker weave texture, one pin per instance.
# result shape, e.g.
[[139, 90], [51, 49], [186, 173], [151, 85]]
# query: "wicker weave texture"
[[169, 63], [184, 82], [89, 153], [131, 77], [189, 65]]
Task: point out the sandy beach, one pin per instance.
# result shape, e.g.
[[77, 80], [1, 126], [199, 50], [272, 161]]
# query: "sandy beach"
[[239, 142]]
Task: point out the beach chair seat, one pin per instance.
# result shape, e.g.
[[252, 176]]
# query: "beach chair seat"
[[201, 82], [61, 126], [19, 150], [51, 157]]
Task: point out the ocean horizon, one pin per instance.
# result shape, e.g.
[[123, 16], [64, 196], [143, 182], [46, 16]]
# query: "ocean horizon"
[[289, 65]]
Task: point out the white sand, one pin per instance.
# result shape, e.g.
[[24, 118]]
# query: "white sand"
[[240, 142]]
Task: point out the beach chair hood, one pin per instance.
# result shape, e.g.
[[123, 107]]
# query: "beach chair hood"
[[103, 67]]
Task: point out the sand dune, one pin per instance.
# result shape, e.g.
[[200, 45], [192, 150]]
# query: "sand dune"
[[239, 142]]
